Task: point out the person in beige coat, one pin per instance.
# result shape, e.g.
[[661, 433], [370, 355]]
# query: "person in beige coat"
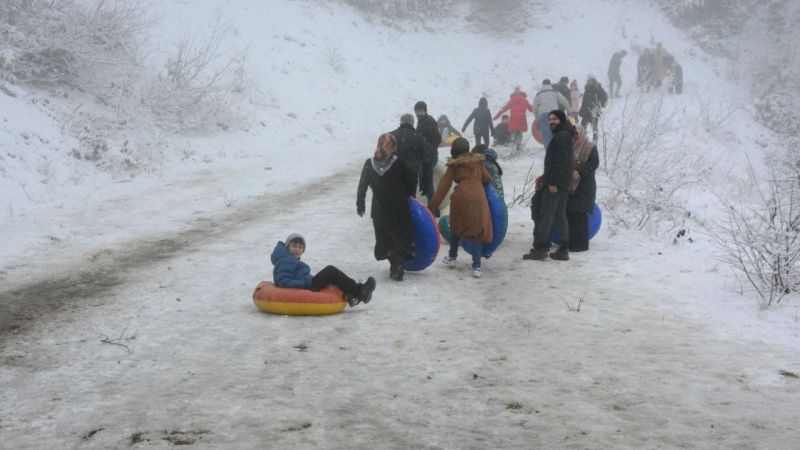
[[469, 209]]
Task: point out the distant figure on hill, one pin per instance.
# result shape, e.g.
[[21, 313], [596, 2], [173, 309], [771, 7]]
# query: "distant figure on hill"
[[674, 76], [563, 87], [446, 129], [483, 127], [659, 65], [574, 100], [501, 134], [594, 100], [546, 100], [429, 129], [645, 70], [614, 77], [518, 122], [411, 147]]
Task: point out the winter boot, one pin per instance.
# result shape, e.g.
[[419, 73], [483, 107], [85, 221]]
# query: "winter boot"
[[365, 290], [352, 300], [562, 254], [536, 254], [397, 273]]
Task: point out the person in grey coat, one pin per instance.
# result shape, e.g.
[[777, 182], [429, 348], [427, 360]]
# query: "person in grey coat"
[[546, 100]]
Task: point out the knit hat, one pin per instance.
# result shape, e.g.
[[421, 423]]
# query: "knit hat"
[[546, 82], [459, 147], [560, 114], [421, 106], [591, 77], [295, 237]]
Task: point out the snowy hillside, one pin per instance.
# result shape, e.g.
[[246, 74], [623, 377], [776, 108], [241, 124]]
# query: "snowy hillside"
[[132, 250]]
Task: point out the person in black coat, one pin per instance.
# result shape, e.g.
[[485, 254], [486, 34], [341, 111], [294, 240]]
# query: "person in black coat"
[[583, 190], [411, 147], [594, 100], [483, 127], [563, 87], [614, 77], [501, 134], [392, 183], [429, 129], [645, 70], [554, 190]]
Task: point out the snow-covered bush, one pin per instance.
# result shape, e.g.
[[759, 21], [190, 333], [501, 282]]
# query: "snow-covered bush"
[[85, 45], [649, 169], [418, 10], [200, 85], [761, 241]]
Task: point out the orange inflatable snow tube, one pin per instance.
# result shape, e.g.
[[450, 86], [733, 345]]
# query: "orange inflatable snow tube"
[[298, 302]]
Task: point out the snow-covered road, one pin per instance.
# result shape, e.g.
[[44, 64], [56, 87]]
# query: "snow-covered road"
[[440, 360]]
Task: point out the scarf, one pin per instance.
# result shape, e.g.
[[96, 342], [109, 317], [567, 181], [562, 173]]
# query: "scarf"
[[384, 156], [581, 149]]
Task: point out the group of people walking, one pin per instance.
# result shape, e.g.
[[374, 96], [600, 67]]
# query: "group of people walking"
[[656, 68]]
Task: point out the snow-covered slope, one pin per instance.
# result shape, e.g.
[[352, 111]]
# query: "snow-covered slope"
[[661, 354]]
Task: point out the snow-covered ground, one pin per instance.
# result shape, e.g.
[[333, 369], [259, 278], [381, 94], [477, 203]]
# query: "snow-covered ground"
[[663, 352]]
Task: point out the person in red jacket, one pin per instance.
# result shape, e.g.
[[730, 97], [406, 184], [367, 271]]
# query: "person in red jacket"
[[518, 124]]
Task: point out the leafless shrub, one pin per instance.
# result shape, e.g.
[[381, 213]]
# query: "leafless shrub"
[[527, 190], [761, 242], [334, 57], [199, 86], [647, 171]]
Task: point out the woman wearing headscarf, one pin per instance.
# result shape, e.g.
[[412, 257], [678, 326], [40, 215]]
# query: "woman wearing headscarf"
[[583, 190], [392, 183]]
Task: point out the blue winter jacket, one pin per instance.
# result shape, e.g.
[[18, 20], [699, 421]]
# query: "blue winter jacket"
[[288, 271]]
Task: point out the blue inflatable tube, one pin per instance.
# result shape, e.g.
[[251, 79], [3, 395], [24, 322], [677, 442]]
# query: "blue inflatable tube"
[[595, 221], [499, 213], [426, 236]]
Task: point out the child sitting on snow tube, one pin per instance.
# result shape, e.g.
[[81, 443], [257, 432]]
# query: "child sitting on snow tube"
[[290, 272]]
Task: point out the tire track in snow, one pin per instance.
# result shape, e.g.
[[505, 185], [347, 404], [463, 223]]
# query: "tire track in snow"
[[23, 306]]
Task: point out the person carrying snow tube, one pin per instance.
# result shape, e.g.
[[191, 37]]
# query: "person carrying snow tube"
[[583, 190], [469, 209], [392, 183]]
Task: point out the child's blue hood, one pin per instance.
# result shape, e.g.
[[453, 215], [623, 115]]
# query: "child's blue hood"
[[280, 252]]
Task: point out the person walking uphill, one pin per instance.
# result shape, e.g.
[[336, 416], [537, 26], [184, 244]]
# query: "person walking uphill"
[[554, 190], [518, 122], [289, 272], [614, 77], [392, 183], [483, 127], [469, 209], [583, 190], [429, 130], [594, 100], [411, 147], [546, 100]]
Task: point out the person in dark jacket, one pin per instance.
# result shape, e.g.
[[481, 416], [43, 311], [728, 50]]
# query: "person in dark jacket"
[[429, 129], [289, 272], [501, 134], [392, 183], [483, 127], [411, 147], [563, 87], [554, 191], [594, 100], [674, 76], [645, 70], [583, 190], [614, 76]]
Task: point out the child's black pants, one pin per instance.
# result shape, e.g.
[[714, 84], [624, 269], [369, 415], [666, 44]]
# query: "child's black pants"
[[334, 276]]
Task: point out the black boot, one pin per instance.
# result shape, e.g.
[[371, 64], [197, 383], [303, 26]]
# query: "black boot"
[[562, 254], [536, 254], [352, 300], [397, 273], [365, 290]]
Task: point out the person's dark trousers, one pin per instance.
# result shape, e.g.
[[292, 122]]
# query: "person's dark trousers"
[[594, 122], [476, 258], [484, 137], [426, 182], [614, 80], [332, 275], [578, 231], [553, 212]]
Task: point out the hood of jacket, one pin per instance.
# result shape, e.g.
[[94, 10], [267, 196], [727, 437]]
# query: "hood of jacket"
[[281, 252], [483, 103], [466, 158]]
